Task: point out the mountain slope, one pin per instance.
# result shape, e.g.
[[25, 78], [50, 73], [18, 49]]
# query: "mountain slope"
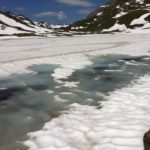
[[117, 15], [11, 24]]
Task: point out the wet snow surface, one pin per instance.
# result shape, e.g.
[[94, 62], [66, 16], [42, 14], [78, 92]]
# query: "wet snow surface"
[[89, 100]]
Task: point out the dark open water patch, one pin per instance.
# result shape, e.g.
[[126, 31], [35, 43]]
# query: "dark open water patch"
[[27, 101], [5, 93], [106, 75]]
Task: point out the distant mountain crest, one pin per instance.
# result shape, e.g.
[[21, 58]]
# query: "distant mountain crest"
[[11, 24]]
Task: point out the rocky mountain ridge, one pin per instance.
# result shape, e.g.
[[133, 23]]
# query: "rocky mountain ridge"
[[116, 15]]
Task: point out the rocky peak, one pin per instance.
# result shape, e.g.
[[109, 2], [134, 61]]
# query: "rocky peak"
[[116, 12]]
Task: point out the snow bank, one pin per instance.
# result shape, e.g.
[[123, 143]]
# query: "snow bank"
[[140, 1], [116, 27], [119, 125], [140, 20], [11, 31], [120, 14]]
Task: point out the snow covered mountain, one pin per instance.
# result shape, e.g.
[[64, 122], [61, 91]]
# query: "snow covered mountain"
[[117, 15], [11, 24]]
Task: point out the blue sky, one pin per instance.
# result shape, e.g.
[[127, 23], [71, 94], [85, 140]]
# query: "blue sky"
[[52, 11]]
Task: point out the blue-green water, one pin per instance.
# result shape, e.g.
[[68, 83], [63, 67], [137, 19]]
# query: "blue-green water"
[[27, 101]]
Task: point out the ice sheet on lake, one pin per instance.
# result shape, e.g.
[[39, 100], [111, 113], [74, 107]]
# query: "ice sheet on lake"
[[18, 54], [119, 125], [124, 118]]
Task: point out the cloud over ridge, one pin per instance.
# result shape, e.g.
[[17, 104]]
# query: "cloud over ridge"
[[60, 15], [83, 3]]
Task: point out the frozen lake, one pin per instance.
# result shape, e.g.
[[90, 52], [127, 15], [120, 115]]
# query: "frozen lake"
[[27, 101], [41, 78]]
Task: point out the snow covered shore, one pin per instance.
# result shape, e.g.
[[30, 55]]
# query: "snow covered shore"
[[119, 125]]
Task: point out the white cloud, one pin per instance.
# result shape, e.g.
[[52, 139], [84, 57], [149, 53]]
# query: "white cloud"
[[46, 14], [60, 15], [84, 11], [83, 3]]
